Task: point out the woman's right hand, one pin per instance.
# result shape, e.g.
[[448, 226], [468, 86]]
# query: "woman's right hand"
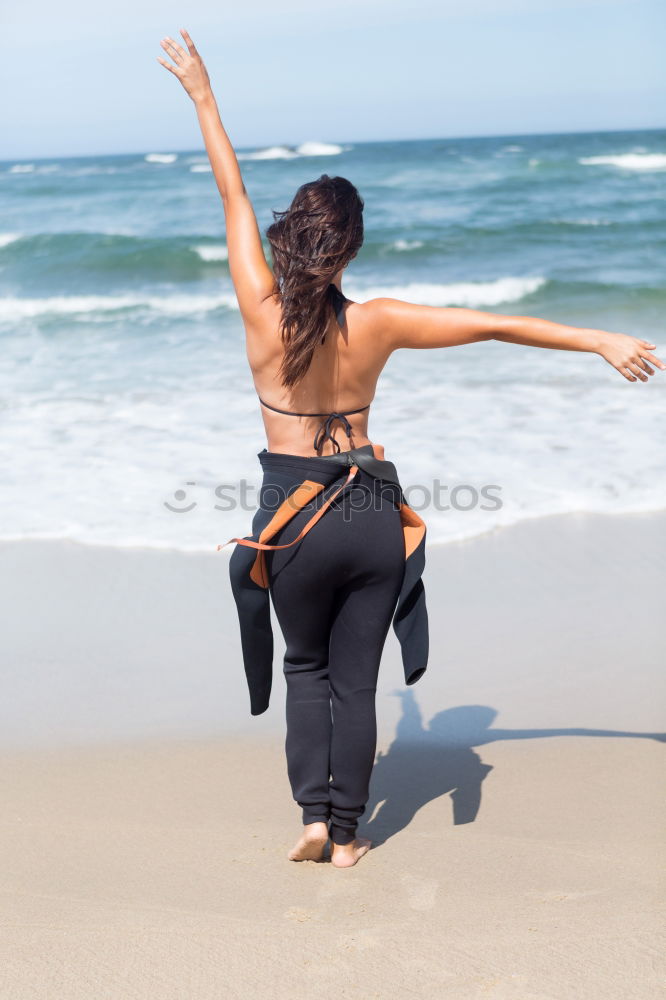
[[189, 67], [629, 355]]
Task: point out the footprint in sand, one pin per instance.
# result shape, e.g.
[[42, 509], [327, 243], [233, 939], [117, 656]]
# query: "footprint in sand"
[[421, 892], [298, 914], [342, 889], [362, 940], [560, 897]]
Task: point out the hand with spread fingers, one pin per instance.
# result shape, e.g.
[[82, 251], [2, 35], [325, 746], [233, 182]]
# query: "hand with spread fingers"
[[631, 356], [188, 66]]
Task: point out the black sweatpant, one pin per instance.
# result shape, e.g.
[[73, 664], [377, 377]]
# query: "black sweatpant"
[[334, 594]]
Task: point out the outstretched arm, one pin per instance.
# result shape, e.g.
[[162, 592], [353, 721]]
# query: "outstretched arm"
[[252, 277], [407, 325]]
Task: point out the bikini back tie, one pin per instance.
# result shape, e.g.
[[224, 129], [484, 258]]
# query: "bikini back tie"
[[325, 431]]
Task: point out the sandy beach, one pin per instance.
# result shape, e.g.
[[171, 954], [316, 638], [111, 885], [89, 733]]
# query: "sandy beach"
[[517, 809]]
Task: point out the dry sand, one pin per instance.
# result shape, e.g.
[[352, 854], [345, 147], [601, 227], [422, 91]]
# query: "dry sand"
[[517, 808]]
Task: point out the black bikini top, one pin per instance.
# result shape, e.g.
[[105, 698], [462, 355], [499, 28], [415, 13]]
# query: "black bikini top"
[[324, 432]]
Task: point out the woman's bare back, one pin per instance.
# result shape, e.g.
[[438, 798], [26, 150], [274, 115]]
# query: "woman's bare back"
[[342, 376]]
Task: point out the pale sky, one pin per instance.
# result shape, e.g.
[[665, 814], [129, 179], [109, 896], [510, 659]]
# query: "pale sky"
[[78, 78]]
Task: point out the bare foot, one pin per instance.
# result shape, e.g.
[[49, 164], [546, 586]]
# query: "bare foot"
[[311, 845], [346, 855]]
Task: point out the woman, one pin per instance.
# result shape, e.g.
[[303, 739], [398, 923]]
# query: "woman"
[[315, 359]]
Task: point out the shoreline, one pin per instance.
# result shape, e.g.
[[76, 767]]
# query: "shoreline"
[[104, 644], [144, 546]]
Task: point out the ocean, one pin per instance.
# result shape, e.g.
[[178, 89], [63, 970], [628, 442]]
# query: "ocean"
[[127, 412]]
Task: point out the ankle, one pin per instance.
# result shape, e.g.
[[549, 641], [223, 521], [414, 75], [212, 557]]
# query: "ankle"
[[318, 827], [342, 838]]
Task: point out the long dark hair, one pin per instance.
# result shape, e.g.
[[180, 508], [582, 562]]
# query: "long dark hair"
[[320, 232]]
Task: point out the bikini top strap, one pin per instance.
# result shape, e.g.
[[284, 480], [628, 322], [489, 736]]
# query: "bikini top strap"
[[325, 430], [339, 300], [334, 413]]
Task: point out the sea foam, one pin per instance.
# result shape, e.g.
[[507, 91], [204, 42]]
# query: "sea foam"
[[310, 148], [469, 294], [319, 149], [175, 305], [628, 161], [213, 252], [270, 153], [403, 245], [465, 293]]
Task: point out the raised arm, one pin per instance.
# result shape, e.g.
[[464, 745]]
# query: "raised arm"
[[404, 324], [252, 277]]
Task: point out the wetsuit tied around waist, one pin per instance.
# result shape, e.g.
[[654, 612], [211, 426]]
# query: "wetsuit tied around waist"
[[315, 483]]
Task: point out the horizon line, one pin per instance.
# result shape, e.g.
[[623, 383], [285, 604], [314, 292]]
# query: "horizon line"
[[356, 142]]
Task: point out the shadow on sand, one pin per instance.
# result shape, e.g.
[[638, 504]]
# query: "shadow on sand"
[[423, 764]]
